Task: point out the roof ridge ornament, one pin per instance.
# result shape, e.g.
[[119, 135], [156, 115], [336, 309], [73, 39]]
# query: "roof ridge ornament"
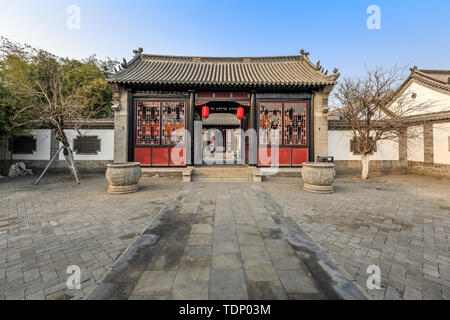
[[304, 54], [138, 51], [124, 64], [318, 66], [335, 74]]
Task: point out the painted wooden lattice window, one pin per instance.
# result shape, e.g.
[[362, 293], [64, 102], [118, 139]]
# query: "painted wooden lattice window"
[[148, 123], [270, 123], [173, 116], [295, 124]]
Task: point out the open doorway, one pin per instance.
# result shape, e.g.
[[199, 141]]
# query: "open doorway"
[[222, 132]]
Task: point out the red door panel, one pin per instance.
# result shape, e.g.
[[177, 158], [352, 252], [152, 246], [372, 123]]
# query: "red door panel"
[[177, 157], [285, 157], [160, 157], [299, 156], [264, 157], [143, 155]]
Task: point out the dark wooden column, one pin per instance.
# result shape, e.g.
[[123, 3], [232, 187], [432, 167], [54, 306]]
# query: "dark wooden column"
[[253, 125], [190, 126]]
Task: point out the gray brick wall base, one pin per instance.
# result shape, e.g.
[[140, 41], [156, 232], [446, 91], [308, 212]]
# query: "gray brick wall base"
[[377, 167], [90, 166], [431, 169]]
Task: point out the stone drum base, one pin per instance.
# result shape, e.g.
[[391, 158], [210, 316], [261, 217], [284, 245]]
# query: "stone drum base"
[[123, 178], [123, 189], [318, 189], [318, 177]]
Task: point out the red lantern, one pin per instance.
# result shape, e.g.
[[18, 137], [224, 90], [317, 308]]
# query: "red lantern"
[[240, 113], [205, 112]]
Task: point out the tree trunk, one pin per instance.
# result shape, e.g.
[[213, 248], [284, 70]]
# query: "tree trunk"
[[68, 155], [365, 158]]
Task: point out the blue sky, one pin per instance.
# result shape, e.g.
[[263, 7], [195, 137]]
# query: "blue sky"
[[414, 32]]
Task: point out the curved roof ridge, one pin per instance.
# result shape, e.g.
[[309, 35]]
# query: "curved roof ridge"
[[205, 59], [438, 71], [271, 71]]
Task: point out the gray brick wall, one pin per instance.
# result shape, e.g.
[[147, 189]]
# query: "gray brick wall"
[[376, 167], [428, 143]]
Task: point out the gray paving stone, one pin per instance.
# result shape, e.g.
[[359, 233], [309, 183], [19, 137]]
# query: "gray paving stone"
[[412, 294], [227, 282], [31, 275], [36, 296], [226, 261], [296, 282], [286, 261], [198, 253], [246, 239], [229, 296], [168, 256], [260, 270], [202, 229], [222, 247], [155, 283], [254, 253], [200, 240], [192, 281], [266, 290]]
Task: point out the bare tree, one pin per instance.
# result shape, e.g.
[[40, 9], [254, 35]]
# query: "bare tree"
[[366, 106]]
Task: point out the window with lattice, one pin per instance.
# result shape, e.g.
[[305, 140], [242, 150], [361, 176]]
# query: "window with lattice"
[[173, 116], [270, 123], [148, 123], [295, 124]]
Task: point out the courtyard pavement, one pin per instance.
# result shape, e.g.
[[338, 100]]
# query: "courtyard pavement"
[[225, 240], [46, 228]]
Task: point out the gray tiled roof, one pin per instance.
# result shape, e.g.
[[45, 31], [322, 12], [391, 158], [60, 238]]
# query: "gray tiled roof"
[[439, 78], [285, 71]]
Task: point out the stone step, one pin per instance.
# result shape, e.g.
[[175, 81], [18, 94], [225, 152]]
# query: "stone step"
[[220, 173], [231, 174], [221, 179]]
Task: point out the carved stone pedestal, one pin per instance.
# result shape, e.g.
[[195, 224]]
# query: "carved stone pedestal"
[[123, 178], [318, 177]]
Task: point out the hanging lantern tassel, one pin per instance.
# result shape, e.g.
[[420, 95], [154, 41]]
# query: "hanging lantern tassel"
[[205, 112], [240, 113]]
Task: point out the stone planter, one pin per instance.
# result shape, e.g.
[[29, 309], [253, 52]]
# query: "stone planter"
[[123, 177], [318, 177]]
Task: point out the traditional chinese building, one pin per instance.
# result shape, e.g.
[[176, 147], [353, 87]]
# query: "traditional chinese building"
[[158, 97]]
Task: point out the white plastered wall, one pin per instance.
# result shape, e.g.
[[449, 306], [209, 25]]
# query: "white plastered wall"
[[43, 145], [429, 100], [106, 144], [441, 137], [339, 147]]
